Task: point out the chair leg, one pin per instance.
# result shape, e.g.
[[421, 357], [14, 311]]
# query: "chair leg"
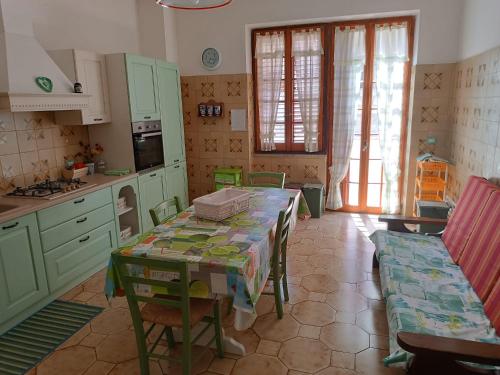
[[218, 330], [140, 338], [284, 281], [230, 306], [186, 357], [277, 295], [170, 337]]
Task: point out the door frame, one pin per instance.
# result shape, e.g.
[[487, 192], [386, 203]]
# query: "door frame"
[[367, 99]]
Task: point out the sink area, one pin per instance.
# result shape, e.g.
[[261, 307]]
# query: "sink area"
[[7, 207]]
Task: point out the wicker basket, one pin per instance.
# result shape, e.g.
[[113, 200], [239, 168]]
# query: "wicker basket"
[[221, 204]]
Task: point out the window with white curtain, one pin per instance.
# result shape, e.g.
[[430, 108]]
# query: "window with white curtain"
[[288, 70]]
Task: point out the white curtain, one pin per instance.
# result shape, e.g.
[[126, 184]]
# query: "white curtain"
[[349, 61], [269, 53], [391, 54], [307, 49]]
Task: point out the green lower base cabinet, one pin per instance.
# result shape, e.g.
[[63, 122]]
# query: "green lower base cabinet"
[[152, 193], [176, 183], [80, 256], [22, 272]]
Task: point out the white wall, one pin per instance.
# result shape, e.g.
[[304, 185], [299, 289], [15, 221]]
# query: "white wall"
[[480, 27], [225, 28], [98, 25]]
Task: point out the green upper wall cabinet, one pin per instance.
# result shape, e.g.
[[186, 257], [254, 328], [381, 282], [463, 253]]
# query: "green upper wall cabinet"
[[143, 88], [22, 271], [152, 192], [171, 112]]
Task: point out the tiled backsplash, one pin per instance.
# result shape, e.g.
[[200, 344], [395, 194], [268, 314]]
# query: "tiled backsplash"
[[33, 147], [475, 120], [210, 142]]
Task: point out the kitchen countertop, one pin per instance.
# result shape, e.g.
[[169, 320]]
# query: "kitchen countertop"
[[29, 205]]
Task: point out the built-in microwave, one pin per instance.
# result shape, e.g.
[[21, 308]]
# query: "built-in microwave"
[[148, 144]]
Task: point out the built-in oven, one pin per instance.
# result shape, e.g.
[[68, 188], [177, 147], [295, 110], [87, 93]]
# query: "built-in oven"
[[148, 145]]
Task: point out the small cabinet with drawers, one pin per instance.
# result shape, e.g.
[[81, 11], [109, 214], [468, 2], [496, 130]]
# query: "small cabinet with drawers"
[[77, 237], [22, 272]]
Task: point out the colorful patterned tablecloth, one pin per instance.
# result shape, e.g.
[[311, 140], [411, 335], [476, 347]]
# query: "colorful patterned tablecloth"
[[230, 258]]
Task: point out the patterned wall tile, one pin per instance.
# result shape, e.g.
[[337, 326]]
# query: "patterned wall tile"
[[208, 89], [311, 171], [210, 144], [469, 73], [233, 88], [8, 143], [185, 90], [235, 145], [433, 81], [429, 114], [187, 118]]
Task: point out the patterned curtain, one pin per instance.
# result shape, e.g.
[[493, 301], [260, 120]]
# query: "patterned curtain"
[[307, 49], [391, 54], [269, 53], [349, 61]]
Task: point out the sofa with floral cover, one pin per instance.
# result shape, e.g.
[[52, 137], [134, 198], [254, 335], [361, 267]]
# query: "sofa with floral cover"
[[442, 293]]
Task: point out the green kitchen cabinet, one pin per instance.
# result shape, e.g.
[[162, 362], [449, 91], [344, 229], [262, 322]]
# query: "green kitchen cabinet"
[[151, 192], [130, 215], [171, 112], [142, 88], [176, 183], [22, 272]]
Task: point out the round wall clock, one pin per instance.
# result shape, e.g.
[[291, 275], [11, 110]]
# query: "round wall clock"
[[210, 58]]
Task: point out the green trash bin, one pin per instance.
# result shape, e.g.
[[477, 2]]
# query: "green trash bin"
[[315, 198], [432, 209]]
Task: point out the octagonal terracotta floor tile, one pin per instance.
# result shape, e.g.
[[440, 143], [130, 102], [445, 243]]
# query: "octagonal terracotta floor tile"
[[347, 301], [132, 368], [370, 289], [297, 294], [259, 364], [294, 268], [322, 260], [336, 371], [111, 321], [348, 272], [345, 337], [74, 360], [264, 305], [117, 347], [305, 355], [269, 327], [248, 337], [320, 283], [313, 313], [373, 321], [370, 362], [204, 359]]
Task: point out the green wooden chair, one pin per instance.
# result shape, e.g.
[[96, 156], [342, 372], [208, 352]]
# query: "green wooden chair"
[[277, 178], [278, 260], [161, 212], [176, 309]]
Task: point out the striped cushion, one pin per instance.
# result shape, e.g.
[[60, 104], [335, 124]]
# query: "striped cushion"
[[469, 207], [480, 260], [492, 307]]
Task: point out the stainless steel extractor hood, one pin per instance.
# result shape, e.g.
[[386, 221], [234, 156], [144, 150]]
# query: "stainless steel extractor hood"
[[23, 59]]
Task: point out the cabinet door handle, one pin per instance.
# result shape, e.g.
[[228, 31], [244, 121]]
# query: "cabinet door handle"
[[79, 201], [152, 175], [11, 226], [147, 117], [176, 161], [82, 220], [177, 166], [98, 119], [84, 239]]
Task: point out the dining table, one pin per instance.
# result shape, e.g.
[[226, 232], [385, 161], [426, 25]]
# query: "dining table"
[[228, 258]]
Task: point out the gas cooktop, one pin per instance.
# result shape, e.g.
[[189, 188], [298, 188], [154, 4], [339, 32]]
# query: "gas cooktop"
[[50, 189]]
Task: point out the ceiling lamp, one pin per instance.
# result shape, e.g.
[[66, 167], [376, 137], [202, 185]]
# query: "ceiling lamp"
[[193, 4]]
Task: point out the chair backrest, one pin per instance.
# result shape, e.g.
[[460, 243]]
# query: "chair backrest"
[[163, 211], [468, 210], [282, 230], [277, 178], [130, 270]]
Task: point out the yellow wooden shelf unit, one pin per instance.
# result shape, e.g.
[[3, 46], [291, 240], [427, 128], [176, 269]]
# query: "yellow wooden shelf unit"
[[430, 183]]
